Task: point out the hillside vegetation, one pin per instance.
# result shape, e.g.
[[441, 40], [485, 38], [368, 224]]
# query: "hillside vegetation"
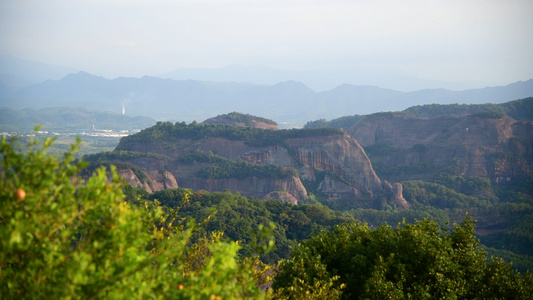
[[168, 132], [62, 236], [455, 234], [246, 119], [518, 109]]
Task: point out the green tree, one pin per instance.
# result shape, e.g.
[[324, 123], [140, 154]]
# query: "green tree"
[[63, 236], [413, 261]]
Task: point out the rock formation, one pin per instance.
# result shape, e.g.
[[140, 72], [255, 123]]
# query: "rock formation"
[[151, 181], [498, 148], [335, 164]]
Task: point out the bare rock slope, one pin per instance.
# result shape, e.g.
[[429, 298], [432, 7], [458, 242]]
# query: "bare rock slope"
[[497, 147]]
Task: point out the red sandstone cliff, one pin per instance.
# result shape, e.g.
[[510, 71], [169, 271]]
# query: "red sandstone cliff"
[[336, 164], [501, 149]]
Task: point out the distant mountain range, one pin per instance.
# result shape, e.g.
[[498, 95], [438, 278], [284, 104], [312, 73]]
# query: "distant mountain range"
[[188, 100], [318, 80]]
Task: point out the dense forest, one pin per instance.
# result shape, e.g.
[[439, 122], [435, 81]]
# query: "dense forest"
[[65, 236]]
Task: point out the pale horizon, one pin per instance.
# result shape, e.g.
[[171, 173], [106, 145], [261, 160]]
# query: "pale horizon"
[[403, 45]]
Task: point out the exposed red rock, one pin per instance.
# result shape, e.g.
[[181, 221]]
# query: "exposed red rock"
[[335, 163], [500, 149]]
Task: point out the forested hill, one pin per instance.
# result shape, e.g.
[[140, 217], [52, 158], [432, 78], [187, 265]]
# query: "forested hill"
[[452, 159], [168, 133], [518, 109], [324, 162], [493, 141], [242, 120]]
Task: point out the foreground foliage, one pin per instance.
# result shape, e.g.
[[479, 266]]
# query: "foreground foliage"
[[63, 237], [412, 261]]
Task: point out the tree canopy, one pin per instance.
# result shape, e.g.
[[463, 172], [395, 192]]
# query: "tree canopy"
[[412, 261]]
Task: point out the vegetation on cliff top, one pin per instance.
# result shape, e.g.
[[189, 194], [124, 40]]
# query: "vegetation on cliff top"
[[167, 133], [519, 109], [246, 119]]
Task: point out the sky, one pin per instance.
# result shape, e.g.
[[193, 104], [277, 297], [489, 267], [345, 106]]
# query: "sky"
[[466, 43]]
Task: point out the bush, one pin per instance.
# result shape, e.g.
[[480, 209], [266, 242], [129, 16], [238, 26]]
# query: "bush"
[[413, 261], [62, 237]]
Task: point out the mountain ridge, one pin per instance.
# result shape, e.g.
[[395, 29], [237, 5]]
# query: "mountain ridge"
[[168, 99]]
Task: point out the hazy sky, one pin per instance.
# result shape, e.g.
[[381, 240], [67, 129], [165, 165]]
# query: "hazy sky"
[[482, 42]]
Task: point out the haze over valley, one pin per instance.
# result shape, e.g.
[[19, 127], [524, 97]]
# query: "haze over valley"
[[289, 102], [249, 149]]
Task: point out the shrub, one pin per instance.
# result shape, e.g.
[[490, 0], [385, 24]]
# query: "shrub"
[[62, 237]]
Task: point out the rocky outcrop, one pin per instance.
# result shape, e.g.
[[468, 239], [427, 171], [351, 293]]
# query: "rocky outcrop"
[[282, 196], [290, 189], [397, 197], [132, 179], [151, 181], [340, 155], [334, 164], [160, 180], [499, 148]]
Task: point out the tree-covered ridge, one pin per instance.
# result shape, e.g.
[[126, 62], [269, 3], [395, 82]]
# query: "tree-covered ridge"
[[342, 122], [246, 119], [168, 132], [518, 109]]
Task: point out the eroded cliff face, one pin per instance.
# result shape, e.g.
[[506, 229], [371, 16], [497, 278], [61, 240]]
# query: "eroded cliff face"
[[151, 181], [348, 169], [335, 164], [289, 190], [501, 149], [349, 175]]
